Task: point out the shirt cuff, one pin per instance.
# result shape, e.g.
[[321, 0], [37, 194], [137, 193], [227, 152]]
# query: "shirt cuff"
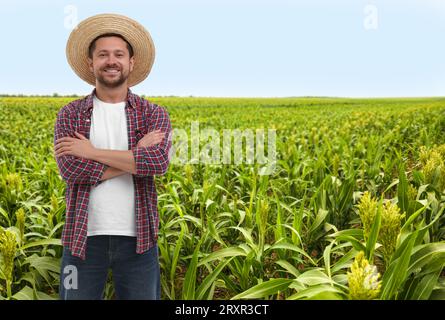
[[139, 154], [97, 171]]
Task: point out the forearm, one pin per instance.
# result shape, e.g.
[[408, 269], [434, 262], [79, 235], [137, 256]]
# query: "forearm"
[[75, 170], [123, 160], [111, 172]]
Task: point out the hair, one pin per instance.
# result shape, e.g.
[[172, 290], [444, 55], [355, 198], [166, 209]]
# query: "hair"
[[92, 46]]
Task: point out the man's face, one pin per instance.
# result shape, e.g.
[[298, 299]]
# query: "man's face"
[[111, 62]]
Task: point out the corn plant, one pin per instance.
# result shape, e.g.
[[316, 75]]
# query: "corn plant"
[[354, 208]]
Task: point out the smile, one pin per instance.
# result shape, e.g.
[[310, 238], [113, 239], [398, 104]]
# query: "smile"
[[111, 71]]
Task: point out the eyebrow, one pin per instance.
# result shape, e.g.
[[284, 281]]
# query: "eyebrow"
[[117, 50]]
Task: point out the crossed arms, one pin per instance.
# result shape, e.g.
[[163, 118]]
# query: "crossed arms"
[[81, 163]]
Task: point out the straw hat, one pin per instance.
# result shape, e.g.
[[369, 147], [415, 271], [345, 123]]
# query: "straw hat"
[[87, 30]]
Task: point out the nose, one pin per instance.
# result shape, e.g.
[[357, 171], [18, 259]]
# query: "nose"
[[111, 59]]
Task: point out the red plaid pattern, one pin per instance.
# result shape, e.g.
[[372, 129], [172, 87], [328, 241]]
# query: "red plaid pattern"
[[81, 174]]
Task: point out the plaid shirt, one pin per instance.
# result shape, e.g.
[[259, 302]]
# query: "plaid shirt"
[[81, 174]]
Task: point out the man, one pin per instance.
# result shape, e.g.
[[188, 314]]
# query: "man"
[[108, 147]]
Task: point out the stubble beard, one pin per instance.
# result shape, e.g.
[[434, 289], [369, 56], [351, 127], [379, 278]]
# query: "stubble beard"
[[113, 83]]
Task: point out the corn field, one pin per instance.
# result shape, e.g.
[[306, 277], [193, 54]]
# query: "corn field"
[[353, 210]]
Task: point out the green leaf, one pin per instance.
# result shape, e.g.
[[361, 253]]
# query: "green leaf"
[[57, 242], [176, 254], [44, 264], [247, 235], [5, 215], [210, 279], [188, 292], [373, 235], [297, 221], [395, 275], [288, 267], [26, 293], [209, 202], [319, 292], [56, 227], [264, 289], [423, 254], [425, 288], [355, 243], [327, 259], [43, 296], [319, 218], [347, 190], [407, 224], [222, 253], [29, 277], [279, 229], [438, 294], [292, 247], [356, 233], [295, 236], [402, 190], [314, 277], [345, 261]]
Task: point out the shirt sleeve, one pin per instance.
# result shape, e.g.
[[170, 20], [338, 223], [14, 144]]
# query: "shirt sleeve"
[[75, 170], [154, 160]]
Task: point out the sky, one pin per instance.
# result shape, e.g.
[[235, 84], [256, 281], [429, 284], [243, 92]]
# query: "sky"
[[242, 48]]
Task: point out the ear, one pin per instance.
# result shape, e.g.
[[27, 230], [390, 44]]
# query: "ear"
[[131, 63], [90, 64]]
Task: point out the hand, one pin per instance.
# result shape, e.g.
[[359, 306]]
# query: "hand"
[[150, 139], [80, 147]]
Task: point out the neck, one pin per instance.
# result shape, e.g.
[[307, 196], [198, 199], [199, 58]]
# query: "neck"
[[111, 95]]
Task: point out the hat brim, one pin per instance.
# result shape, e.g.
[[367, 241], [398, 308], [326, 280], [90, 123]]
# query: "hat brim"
[[90, 28]]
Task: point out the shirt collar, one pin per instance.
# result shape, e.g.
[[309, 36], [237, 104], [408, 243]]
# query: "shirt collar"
[[131, 100]]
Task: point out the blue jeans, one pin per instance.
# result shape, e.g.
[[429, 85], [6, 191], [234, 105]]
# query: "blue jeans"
[[135, 276]]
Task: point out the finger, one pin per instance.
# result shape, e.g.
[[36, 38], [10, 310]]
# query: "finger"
[[64, 139], [80, 136], [58, 146], [64, 153], [62, 144], [63, 149], [156, 138], [152, 133], [60, 155], [161, 134]]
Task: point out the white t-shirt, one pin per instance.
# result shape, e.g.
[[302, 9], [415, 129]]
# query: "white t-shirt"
[[111, 210]]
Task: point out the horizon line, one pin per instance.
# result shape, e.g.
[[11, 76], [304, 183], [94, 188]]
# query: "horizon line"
[[75, 95]]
